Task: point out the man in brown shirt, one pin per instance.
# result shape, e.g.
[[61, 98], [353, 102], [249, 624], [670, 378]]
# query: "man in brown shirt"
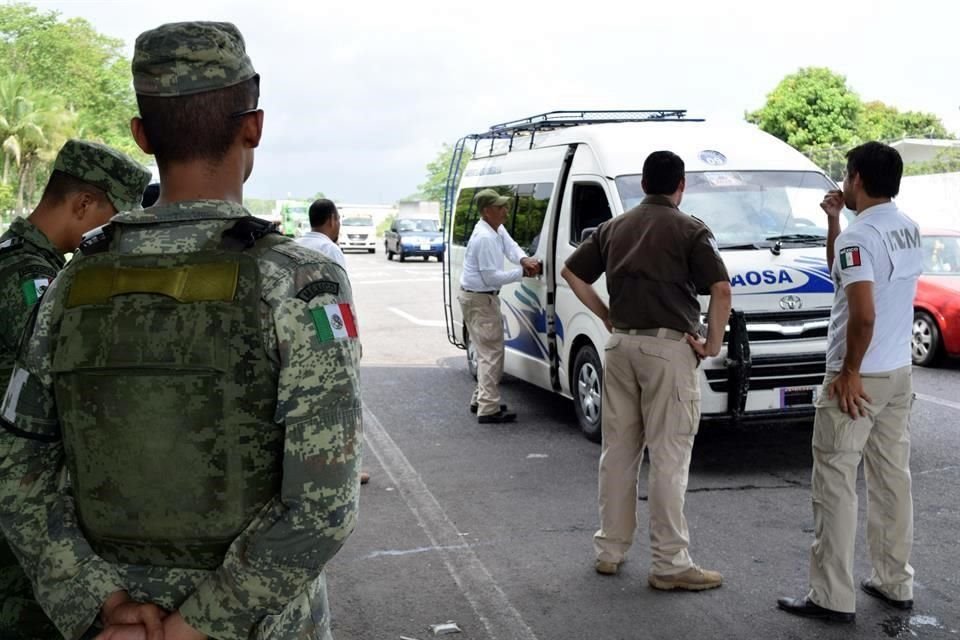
[[657, 259]]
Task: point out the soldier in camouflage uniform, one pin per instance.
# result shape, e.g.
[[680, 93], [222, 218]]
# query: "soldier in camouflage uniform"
[[89, 183], [197, 377]]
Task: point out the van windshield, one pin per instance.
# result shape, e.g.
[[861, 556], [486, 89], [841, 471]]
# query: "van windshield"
[[417, 225], [750, 208], [357, 222]]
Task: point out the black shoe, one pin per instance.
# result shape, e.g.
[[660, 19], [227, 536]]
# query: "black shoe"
[[871, 590], [804, 607], [499, 417], [474, 407]]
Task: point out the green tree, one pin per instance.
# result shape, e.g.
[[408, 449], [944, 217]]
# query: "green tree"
[[879, 121], [434, 188], [34, 124], [810, 108], [947, 161], [87, 69]]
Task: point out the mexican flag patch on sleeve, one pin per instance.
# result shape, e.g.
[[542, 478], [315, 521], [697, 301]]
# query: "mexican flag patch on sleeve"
[[334, 322], [33, 289], [849, 257]]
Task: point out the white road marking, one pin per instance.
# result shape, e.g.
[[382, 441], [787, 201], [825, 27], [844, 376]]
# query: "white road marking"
[[407, 552], [940, 401], [415, 320], [499, 617]]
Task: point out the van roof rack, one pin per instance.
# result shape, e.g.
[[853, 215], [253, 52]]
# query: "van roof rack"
[[558, 119]]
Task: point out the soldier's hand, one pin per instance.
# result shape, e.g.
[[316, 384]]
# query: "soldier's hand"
[[123, 632], [120, 611], [832, 203], [701, 348]]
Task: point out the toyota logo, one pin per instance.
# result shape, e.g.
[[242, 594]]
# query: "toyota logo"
[[790, 303]]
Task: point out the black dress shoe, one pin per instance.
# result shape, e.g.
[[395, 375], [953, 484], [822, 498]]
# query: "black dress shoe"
[[499, 417], [871, 590], [804, 607], [474, 407]]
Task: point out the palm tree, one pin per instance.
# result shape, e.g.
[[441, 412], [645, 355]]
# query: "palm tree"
[[34, 125]]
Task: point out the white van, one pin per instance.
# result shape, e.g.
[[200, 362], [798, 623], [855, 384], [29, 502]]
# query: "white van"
[[358, 231], [568, 172]]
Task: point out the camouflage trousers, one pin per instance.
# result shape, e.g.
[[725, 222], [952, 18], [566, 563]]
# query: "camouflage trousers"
[[21, 617]]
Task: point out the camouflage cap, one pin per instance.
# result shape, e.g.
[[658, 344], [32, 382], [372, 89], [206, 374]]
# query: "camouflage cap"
[[184, 58], [119, 176]]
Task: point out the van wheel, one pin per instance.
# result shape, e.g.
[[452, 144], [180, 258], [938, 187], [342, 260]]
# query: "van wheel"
[[401, 255], [386, 250], [471, 354], [925, 343], [374, 250], [588, 391], [439, 257]]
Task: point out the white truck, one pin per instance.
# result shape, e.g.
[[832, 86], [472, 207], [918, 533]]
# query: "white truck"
[[568, 172]]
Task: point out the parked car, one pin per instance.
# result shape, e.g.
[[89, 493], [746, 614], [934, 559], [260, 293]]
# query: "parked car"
[[414, 237], [936, 309]]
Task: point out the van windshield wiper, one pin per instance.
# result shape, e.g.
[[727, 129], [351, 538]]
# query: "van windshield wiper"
[[733, 246], [798, 237]]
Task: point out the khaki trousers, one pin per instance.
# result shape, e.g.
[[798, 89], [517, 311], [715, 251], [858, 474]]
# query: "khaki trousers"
[[481, 315], [882, 439], [651, 399]]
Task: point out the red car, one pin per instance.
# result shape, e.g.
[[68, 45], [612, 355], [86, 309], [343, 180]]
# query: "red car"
[[936, 309]]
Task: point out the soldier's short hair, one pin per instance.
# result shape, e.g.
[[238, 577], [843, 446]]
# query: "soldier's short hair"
[[662, 173], [879, 166], [199, 126], [62, 185]]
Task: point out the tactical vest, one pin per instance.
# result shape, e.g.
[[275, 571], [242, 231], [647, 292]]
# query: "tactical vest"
[[166, 396]]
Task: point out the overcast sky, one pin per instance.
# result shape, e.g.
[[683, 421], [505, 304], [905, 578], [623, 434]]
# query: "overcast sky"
[[360, 95]]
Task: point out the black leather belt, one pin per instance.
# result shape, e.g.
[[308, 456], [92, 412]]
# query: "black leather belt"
[[669, 334], [489, 293]]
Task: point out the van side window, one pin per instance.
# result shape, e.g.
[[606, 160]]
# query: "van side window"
[[464, 216], [589, 208], [527, 223]]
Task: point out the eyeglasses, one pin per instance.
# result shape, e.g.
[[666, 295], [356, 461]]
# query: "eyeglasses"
[[245, 112]]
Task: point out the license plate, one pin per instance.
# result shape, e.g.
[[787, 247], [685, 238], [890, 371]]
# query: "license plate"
[[425, 246], [797, 396]]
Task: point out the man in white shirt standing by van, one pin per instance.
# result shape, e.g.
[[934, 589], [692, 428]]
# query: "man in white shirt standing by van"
[[480, 283], [864, 406], [324, 231]]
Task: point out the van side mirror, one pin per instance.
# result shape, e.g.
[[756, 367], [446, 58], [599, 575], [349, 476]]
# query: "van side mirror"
[[586, 233]]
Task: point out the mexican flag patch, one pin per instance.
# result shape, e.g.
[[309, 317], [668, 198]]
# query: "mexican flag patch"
[[334, 322], [849, 257], [33, 289]]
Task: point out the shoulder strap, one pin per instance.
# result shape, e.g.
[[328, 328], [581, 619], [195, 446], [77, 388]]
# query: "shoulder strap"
[[10, 245], [97, 241], [246, 232]]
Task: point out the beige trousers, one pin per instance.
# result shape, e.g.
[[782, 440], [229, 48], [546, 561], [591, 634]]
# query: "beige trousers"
[[481, 315], [882, 440], [651, 399]]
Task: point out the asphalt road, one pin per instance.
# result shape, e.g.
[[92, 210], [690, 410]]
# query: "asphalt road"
[[490, 526]]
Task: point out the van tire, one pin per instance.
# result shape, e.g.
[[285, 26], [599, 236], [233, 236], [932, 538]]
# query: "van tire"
[[374, 250], [386, 250], [586, 386], [402, 257]]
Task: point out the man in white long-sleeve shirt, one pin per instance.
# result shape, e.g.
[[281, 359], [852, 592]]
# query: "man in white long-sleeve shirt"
[[480, 283], [325, 231]]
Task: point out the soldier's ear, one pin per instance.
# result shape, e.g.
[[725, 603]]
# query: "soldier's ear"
[[140, 135], [82, 204], [252, 130]]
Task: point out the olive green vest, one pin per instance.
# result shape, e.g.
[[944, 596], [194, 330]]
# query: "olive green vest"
[[166, 397]]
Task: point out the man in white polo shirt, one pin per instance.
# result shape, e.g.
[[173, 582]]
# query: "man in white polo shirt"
[[480, 283], [863, 409]]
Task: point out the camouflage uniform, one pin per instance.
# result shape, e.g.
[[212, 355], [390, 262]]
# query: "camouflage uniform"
[[268, 582], [28, 263]]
